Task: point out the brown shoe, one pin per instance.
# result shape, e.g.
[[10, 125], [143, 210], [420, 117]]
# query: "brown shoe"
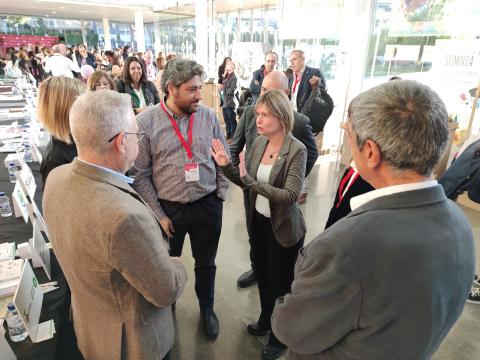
[[302, 198]]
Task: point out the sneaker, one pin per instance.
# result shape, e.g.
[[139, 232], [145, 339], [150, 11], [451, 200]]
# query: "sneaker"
[[474, 296], [476, 279]]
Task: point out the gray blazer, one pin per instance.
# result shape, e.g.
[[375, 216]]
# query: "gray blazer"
[[230, 85], [388, 281], [109, 245], [283, 188], [246, 134]]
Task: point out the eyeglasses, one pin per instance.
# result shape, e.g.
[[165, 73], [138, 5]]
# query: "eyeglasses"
[[139, 134]]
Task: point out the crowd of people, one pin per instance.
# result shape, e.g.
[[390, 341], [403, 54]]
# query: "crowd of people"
[[136, 162]]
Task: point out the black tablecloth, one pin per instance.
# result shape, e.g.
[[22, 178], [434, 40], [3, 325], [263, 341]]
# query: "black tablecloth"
[[56, 304]]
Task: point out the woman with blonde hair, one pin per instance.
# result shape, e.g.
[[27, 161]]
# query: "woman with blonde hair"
[[273, 173], [100, 80], [55, 98]]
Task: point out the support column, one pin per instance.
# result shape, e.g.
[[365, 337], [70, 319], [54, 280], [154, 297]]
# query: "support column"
[[212, 37], [107, 41], [201, 28], [139, 31], [84, 35], [158, 36]]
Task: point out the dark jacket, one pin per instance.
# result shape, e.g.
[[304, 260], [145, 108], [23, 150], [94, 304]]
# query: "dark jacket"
[[229, 88], [89, 61], [256, 83], [246, 134], [57, 153], [341, 206], [149, 89], [388, 281], [305, 88], [464, 175], [282, 191]]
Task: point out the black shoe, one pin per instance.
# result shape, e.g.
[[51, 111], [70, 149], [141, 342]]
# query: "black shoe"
[[272, 352], [257, 330], [210, 324], [247, 279]]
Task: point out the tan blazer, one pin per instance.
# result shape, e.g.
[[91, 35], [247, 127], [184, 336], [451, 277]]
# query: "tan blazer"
[[112, 252], [283, 188]]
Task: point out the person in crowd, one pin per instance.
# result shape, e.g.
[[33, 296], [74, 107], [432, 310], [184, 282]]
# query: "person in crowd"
[[122, 279], [23, 65], [464, 176], [127, 52], [83, 57], [117, 66], [228, 87], [109, 55], [304, 79], [273, 174], [363, 287], [59, 64], [247, 133], [100, 80], [171, 56], [134, 82], [271, 60], [85, 72], [150, 66], [158, 80], [221, 69], [55, 98], [177, 177]]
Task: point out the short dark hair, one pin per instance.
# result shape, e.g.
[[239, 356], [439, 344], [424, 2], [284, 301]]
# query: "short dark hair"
[[179, 71], [127, 79], [109, 53]]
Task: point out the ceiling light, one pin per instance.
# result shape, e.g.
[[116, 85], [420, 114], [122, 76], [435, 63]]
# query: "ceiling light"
[[54, 12]]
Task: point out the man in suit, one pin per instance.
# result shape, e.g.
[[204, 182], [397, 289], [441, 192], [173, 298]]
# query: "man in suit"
[[247, 132], [108, 241], [271, 59], [390, 279], [301, 84]]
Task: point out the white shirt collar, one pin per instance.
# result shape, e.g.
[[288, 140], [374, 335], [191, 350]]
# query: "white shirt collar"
[[360, 200], [120, 176]]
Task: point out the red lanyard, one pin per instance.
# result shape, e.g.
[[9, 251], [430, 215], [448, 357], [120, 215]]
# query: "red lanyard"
[[187, 146], [297, 80], [342, 189]]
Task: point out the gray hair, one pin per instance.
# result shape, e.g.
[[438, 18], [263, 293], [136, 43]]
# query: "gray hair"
[[179, 71], [97, 116], [57, 49], [407, 120]]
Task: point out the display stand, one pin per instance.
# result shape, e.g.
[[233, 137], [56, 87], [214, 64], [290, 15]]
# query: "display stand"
[[472, 114]]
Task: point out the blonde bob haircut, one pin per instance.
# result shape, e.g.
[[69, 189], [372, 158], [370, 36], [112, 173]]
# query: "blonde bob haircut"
[[278, 104], [55, 98], [96, 76]]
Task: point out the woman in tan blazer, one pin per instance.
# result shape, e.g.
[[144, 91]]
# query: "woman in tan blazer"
[[273, 173]]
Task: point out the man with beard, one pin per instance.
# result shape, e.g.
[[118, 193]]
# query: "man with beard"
[[177, 177]]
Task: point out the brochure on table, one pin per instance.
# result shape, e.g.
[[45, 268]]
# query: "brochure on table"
[[28, 302], [40, 250], [20, 202], [27, 180]]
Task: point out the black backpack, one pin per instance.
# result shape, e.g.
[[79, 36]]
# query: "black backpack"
[[318, 108]]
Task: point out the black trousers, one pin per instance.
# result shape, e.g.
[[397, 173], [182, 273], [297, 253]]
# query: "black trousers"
[[230, 121], [273, 264], [202, 221]]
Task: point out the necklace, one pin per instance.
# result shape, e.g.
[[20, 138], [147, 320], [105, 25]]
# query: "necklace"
[[272, 153]]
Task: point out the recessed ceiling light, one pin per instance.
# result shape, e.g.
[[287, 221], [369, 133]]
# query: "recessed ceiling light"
[[47, 15], [54, 12], [62, 7]]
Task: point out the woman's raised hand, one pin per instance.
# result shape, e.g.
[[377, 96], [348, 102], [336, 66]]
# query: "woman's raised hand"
[[219, 154]]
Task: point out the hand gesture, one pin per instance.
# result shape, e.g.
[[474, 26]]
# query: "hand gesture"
[[167, 226], [219, 154], [241, 166], [314, 81]]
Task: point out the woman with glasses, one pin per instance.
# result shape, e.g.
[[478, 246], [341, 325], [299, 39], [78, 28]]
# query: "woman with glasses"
[[273, 172], [134, 82], [55, 98]]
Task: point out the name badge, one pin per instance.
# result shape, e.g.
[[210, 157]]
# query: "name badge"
[[192, 172]]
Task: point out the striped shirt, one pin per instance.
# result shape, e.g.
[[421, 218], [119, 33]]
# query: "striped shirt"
[[159, 168]]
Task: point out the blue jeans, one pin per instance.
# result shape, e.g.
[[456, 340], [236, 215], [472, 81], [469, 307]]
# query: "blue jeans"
[[230, 121]]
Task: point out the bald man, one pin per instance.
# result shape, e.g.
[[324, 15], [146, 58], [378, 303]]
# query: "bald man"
[[246, 133]]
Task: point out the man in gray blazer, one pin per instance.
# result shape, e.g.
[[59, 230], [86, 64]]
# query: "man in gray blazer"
[[389, 280], [247, 133], [108, 241]]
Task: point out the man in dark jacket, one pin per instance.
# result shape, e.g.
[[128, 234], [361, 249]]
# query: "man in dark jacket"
[[247, 132], [271, 59]]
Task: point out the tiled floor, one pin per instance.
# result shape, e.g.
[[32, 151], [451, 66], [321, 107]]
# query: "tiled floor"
[[237, 307]]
